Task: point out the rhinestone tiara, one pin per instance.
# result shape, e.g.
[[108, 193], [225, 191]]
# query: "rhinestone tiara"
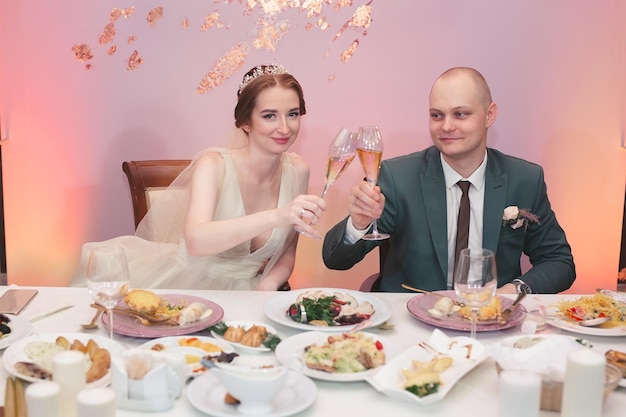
[[271, 69]]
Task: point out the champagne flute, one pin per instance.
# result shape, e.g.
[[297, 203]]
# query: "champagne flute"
[[475, 280], [370, 150], [107, 278], [340, 154]]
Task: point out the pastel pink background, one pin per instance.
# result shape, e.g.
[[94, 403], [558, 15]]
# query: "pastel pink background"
[[556, 68]]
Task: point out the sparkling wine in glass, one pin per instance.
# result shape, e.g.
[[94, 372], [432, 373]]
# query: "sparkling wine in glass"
[[107, 278], [340, 154], [370, 150], [475, 280]]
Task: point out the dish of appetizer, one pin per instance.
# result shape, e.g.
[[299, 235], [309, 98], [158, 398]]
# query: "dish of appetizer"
[[441, 309], [12, 329], [568, 314], [326, 309], [426, 372], [338, 356], [192, 348], [247, 336], [31, 357], [143, 313]]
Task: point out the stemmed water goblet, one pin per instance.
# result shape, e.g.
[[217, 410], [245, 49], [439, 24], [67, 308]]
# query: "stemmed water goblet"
[[107, 278], [475, 280], [370, 150], [341, 152]]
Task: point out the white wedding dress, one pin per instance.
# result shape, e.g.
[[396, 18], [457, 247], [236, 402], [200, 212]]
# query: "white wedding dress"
[[158, 257]]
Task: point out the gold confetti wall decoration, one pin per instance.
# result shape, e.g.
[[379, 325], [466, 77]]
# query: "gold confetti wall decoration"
[[361, 18], [226, 65], [269, 34], [314, 7], [83, 53], [268, 30], [349, 51], [108, 34], [342, 3], [270, 8], [125, 13], [212, 20], [134, 61], [155, 15]]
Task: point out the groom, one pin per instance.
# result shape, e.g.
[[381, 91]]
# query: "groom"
[[417, 202]]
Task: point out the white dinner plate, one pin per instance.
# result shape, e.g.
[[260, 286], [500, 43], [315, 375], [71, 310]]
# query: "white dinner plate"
[[246, 324], [295, 345], [206, 394], [15, 353], [390, 379], [573, 327], [191, 348], [20, 328], [276, 309]]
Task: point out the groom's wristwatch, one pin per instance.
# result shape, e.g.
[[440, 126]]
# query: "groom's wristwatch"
[[521, 286]]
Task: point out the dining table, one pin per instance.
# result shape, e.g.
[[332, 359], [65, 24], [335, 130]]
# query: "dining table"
[[475, 394]]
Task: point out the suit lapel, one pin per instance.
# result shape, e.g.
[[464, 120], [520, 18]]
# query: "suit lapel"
[[496, 186], [433, 187]]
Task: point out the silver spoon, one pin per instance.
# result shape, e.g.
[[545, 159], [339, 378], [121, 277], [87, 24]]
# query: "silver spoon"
[[593, 322], [92, 325]]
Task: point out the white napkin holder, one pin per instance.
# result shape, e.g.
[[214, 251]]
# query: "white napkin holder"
[[156, 391]]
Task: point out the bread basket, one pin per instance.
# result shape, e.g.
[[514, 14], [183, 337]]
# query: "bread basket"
[[552, 391]]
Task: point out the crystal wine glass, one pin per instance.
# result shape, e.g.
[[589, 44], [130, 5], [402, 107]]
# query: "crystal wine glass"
[[370, 150], [340, 154], [107, 278], [475, 280]]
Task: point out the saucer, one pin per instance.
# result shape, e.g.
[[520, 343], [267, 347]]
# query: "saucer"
[[206, 394]]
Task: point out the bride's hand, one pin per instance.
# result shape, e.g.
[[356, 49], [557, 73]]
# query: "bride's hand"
[[304, 211]]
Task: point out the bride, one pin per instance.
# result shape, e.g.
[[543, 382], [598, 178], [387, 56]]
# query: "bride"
[[227, 221]]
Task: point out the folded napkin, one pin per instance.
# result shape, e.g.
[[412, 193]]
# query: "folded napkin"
[[135, 376], [546, 355]]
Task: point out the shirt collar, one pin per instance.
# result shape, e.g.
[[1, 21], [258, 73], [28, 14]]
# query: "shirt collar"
[[452, 177]]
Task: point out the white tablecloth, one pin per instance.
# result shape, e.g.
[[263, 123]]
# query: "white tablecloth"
[[474, 395]]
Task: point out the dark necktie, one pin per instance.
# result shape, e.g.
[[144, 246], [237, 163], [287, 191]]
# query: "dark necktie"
[[462, 225]]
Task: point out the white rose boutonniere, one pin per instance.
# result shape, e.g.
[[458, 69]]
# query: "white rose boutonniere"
[[516, 217]]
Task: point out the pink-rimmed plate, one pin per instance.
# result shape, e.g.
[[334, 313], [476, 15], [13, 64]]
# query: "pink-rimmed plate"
[[419, 305], [128, 326]]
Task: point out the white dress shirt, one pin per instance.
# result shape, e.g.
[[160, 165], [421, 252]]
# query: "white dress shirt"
[[453, 197]]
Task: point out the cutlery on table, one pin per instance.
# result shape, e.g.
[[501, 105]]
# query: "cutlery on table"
[[50, 312], [456, 302], [145, 319], [14, 398], [506, 313], [93, 324]]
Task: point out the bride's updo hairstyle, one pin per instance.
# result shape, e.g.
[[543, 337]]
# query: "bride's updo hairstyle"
[[258, 79]]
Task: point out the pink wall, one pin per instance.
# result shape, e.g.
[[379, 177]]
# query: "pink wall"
[[556, 70]]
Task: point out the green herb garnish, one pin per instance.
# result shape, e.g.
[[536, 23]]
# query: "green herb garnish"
[[271, 341], [219, 328], [424, 390], [320, 309]]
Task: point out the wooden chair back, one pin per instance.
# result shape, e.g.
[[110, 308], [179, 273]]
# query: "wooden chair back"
[[147, 176]]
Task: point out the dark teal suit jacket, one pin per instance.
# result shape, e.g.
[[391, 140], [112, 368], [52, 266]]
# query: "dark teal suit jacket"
[[415, 217]]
